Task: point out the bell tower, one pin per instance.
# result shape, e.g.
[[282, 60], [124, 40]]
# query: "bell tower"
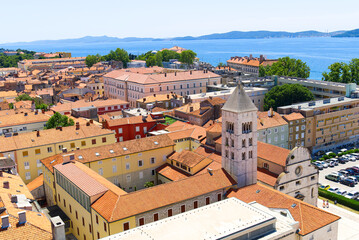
[[239, 138]]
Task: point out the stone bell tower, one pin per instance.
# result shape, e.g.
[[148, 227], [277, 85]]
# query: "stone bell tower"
[[239, 138]]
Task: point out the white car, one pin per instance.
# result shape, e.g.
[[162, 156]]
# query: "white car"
[[341, 192], [324, 164], [333, 189], [352, 195], [343, 150], [354, 179]]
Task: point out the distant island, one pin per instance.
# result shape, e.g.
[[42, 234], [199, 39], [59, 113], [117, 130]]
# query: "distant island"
[[228, 35]]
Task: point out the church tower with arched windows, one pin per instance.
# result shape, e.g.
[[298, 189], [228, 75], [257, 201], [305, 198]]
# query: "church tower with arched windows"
[[239, 138]]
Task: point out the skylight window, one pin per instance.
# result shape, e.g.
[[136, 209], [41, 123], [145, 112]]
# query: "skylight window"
[[112, 151], [80, 157]]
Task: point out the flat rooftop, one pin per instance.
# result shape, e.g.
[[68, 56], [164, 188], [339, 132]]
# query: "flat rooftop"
[[251, 91], [307, 106], [229, 217]]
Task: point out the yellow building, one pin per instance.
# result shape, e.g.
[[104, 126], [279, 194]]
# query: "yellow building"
[[330, 123], [97, 208], [128, 164], [29, 148]]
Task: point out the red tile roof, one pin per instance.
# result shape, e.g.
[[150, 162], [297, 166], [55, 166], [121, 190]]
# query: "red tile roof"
[[272, 153]]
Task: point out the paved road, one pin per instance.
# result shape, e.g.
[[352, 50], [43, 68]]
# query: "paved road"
[[347, 226], [340, 166]]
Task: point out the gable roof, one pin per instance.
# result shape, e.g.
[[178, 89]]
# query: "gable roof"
[[310, 218], [144, 200], [264, 121], [239, 101], [272, 153]]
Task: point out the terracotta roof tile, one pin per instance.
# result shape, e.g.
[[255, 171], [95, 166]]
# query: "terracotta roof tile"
[[172, 173], [83, 103], [158, 196], [16, 185], [37, 182], [187, 158], [266, 177], [21, 119], [309, 217], [273, 153], [293, 116], [264, 121]]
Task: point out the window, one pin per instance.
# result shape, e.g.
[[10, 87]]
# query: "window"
[[312, 193], [126, 226], [72, 145], [100, 171], [78, 231], [145, 129], [96, 219], [232, 155], [303, 127], [297, 128], [49, 149], [104, 139], [226, 152], [155, 217], [114, 168], [26, 165], [120, 130], [282, 137], [70, 208], [98, 235], [243, 143], [183, 208], [243, 156], [154, 172], [37, 151], [137, 129], [83, 143], [140, 163], [83, 221], [27, 175], [140, 175], [281, 188], [93, 141], [302, 135], [195, 204], [297, 183], [312, 178], [153, 160], [282, 129], [128, 178], [266, 165], [169, 212], [90, 229], [250, 142], [297, 136], [250, 154], [64, 203], [25, 153], [141, 221], [77, 216], [207, 200], [104, 227], [58, 196], [127, 166], [219, 197]]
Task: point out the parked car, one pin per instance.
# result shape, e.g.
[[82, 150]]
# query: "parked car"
[[341, 192], [354, 179], [333, 189], [352, 194], [333, 177], [343, 150], [325, 187], [347, 181], [332, 164], [350, 171], [352, 158], [342, 160], [318, 165], [344, 173], [325, 165]]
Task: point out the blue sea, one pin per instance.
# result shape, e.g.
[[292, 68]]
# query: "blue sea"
[[318, 53]]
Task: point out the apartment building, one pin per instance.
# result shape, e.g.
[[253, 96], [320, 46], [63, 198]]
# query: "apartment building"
[[28, 149], [55, 63], [249, 65], [330, 123], [272, 128], [297, 126], [128, 165], [166, 101], [130, 86], [23, 122]]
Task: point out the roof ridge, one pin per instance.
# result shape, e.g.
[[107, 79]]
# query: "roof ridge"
[[28, 221]]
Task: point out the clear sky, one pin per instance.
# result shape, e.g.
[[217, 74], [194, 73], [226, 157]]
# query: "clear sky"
[[25, 20]]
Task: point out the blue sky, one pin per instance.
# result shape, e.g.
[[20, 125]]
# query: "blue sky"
[[54, 19]]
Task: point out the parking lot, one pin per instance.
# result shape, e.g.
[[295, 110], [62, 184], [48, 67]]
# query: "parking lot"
[[340, 166]]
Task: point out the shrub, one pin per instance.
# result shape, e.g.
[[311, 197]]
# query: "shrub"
[[356, 150], [353, 204], [321, 159], [326, 157], [351, 151], [332, 155]]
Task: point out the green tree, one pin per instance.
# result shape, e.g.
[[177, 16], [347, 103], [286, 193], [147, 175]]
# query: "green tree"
[[286, 66], [158, 58], [11, 105], [41, 106], [221, 64], [23, 97], [58, 120], [149, 184], [167, 55], [151, 61], [343, 72], [92, 60], [187, 57], [285, 95], [118, 55]]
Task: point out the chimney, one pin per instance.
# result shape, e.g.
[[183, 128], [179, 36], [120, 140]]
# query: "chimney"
[[36, 112], [190, 72], [22, 217], [58, 228], [5, 222], [67, 158], [77, 126], [88, 124], [154, 94], [175, 73], [37, 133], [6, 185], [91, 121], [210, 171], [60, 128], [25, 114], [14, 199], [168, 96], [144, 99], [165, 74], [191, 109], [210, 97], [64, 150]]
